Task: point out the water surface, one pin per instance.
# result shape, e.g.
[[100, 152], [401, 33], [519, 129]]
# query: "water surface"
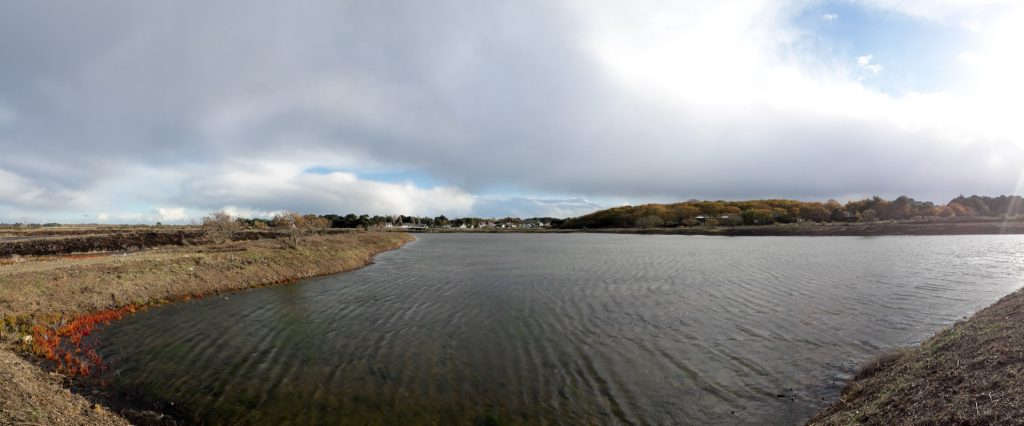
[[562, 329]]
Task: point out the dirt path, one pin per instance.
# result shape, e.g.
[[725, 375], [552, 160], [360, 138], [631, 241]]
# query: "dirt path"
[[55, 288]]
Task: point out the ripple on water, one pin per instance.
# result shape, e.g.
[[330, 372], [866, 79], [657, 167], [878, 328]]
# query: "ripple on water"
[[572, 329]]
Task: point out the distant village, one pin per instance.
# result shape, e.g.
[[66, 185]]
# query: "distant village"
[[473, 224]]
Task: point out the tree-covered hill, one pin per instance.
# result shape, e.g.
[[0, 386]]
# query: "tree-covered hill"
[[766, 212]]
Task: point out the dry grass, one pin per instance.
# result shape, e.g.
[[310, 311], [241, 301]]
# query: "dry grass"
[[67, 285], [57, 288], [969, 374], [31, 396]]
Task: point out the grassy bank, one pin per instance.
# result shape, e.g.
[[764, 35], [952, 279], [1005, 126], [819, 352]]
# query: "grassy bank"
[[63, 289], [971, 373]]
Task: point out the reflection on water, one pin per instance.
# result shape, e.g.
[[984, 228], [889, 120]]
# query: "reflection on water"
[[570, 329]]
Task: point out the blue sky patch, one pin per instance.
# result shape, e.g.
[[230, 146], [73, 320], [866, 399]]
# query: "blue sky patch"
[[907, 54]]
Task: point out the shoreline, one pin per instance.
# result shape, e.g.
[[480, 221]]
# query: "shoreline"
[[56, 289], [971, 372], [991, 227]]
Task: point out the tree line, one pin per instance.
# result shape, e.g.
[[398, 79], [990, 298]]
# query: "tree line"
[[292, 220], [767, 212], [688, 213]]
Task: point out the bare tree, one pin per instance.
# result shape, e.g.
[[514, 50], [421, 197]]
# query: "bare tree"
[[296, 226], [219, 226]]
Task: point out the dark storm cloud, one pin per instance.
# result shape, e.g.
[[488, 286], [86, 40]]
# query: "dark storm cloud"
[[477, 95]]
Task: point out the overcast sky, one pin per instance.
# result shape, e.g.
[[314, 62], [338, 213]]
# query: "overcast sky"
[[128, 111]]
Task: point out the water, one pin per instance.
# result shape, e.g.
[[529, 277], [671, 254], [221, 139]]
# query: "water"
[[562, 329]]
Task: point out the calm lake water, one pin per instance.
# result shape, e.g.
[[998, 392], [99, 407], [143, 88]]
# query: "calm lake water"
[[562, 329]]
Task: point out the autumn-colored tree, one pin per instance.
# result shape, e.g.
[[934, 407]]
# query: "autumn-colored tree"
[[650, 221], [754, 211], [627, 220], [689, 212], [287, 220], [757, 217], [781, 215], [313, 222], [708, 208], [731, 219], [960, 209], [815, 212], [295, 226]]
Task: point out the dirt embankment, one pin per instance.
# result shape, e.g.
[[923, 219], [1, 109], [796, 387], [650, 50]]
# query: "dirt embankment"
[[969, 374], [54, 289]]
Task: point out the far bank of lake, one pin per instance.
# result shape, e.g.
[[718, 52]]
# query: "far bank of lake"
[[805, 229]]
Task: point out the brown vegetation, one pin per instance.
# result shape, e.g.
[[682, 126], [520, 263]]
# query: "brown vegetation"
[[971, 373], [120, 240], [59, 299], [220, 227], [295, 227], [114, 241], [31, 396]]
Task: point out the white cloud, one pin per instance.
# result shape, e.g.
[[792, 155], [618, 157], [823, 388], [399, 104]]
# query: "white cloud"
[[967, 56], [533, 207], [265, 187], [16, 190], [829, 17], [171, 214], [866, 67]]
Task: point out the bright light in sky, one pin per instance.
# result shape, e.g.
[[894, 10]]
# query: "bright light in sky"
[[140, 112]]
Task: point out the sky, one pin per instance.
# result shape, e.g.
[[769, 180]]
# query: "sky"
[[120, 111]]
